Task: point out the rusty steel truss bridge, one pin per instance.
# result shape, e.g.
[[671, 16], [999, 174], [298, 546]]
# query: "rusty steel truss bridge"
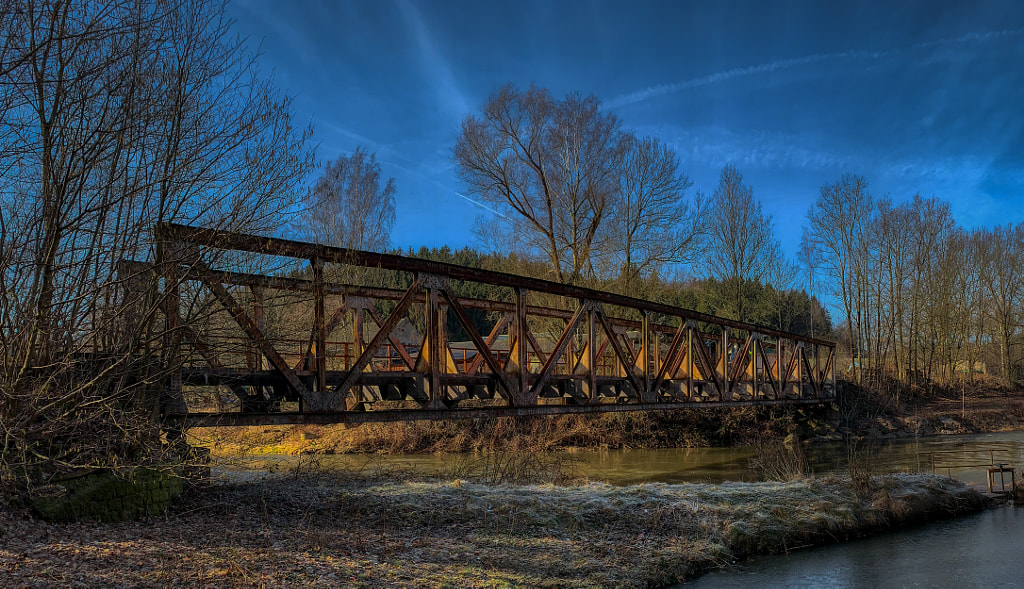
[[320, 340]]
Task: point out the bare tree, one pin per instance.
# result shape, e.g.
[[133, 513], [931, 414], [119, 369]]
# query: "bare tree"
[[781, 276], [936, 275], [810, 258], [653, 224], [893, 229], [549, 166], [741, 244], [1002, 252], [839, 221], [350, 206], [118, 114]]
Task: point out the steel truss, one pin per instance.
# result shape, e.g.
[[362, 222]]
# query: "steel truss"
[[580, 351]]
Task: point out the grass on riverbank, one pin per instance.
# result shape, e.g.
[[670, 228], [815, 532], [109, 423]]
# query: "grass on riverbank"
[[322, 530], [681, 428]]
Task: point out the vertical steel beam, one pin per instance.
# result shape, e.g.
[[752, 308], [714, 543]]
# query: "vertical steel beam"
[[433, 349], [170, 398], [592, 357], [754, 360], [319, 325], [800, 363], [522, 359], [780, 353], [261, 324], [689, 360], [644, 358], [726, 390]]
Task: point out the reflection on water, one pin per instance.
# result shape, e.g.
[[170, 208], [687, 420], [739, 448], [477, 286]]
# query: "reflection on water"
[[714, 465], [623, 467], [982, 550]]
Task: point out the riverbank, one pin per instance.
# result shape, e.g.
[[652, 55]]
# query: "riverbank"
[[679, 428], [981, 412], [985, 410], [359, 529]]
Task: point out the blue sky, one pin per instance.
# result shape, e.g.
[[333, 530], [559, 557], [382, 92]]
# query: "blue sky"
[[917, 97]]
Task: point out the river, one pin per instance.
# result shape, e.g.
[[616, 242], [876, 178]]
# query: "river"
[[982, 550], [712, 465]]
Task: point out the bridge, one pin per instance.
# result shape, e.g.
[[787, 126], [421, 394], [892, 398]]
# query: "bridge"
[[302, 333]]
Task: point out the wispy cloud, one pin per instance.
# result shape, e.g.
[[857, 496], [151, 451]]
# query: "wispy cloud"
[[719, 77], [299, 43], [361, 139], [785, 64], [717, 146], [438, 68], [400, 161]]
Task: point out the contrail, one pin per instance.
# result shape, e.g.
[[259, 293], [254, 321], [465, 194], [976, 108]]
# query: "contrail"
[[476, 202], [384, 149], [663, 89]]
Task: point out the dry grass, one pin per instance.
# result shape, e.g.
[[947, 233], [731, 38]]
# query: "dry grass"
[[637, 429], [313, 529], [775, 460]]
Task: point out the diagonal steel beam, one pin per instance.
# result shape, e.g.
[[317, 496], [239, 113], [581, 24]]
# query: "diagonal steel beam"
[[809, 372], [492, 337], [536, 347], [707, 368], [563, 341], [768, 369], [673, 350], [333, 397], [829, 361], [481, 346], [794, 359], [399, 346], [739, 363], [257, 336], [616, 346]]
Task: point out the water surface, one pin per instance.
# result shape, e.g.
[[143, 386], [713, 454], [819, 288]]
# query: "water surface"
[[711, 465], [982, 550]]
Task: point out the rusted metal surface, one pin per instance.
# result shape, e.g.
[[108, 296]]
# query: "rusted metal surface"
[[546, 348]]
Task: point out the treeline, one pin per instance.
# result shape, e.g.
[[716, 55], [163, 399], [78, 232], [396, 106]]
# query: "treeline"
[[922, 299], [791, 310], [919, 299]]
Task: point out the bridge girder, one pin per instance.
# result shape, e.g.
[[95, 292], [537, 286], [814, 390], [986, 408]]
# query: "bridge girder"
[[547, 348]]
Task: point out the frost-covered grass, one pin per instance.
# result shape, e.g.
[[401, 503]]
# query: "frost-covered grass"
[[320, 529]]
